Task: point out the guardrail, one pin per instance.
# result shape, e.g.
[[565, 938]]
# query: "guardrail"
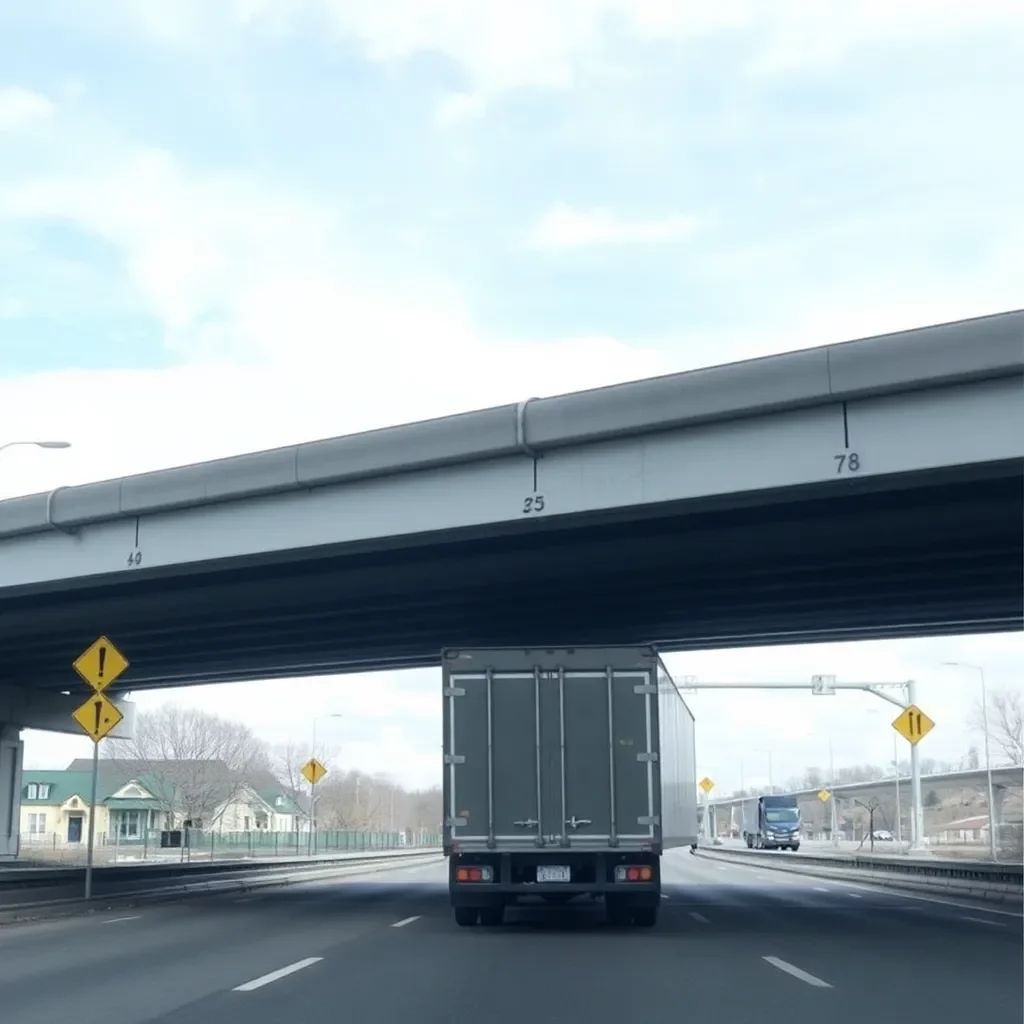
[[21, 888], [1000, 882]]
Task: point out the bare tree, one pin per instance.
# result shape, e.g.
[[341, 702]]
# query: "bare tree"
[[196, 761], [872, 806], [356, 801], [1005, 724]]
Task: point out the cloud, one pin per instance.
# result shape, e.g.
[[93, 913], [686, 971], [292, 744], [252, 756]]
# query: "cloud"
[[11, 308], [565, 228], [459, 107], [21, 108], [509, 44]]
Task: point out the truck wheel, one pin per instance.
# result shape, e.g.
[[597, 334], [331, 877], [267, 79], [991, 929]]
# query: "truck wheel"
[[645, 917], [466, 917], [795, 847], [491, 917]]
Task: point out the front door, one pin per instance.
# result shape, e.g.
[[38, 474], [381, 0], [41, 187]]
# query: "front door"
[[75, 830]]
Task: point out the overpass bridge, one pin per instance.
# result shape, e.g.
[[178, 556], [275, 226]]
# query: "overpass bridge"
[[866, 489], [1005, 780]]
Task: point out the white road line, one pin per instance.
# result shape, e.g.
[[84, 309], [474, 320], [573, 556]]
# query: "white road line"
[[820, 888], [983, 920], [266, 979], [854, 895], [843, 883], [664, 896], [721, 867], [930, 899], [699, 917], [247, 899], [116, 920], [810, 979], [405, 921]]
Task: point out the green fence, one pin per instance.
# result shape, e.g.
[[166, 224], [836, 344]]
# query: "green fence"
[[286, 844]]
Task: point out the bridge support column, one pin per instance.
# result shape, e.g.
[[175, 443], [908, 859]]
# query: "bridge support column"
[[11, 749]]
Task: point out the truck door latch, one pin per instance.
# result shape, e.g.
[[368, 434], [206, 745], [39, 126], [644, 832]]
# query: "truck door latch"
[[529, 823], [575, 823]]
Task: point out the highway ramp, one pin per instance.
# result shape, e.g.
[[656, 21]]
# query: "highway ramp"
[[733, 943]]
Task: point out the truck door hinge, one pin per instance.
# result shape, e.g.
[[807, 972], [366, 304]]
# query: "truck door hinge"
[[454, 759], [649, 819], [527, 823], [455, 822], [645, 688], [454, 691], [647, 756], [575, 823]]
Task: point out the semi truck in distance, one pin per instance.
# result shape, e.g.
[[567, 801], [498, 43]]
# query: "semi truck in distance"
[[772, 823], [567, 773]]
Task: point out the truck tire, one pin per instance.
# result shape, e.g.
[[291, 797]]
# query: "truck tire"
[[491, 917], [466, 917], [795, 847], [645, 917]]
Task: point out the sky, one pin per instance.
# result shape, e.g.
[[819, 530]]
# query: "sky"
[[227, 225]]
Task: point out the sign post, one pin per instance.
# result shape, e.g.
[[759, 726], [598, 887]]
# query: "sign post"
[[707, 785], [913, 725], [99, 665], [312, 771]]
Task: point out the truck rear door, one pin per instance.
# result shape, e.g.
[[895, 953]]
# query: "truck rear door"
[[552, 755]]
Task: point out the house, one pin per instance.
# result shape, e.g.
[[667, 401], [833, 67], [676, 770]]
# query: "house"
[[964, 830], [205, 794], [55, 808], [262, 806]]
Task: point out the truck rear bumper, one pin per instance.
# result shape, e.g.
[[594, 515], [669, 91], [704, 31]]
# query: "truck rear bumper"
[[514, 875], [554, 888]]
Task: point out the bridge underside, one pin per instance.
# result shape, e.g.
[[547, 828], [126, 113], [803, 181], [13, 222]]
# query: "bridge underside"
[[934, 556]]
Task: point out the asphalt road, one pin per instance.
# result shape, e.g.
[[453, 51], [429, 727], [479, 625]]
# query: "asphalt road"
[[733, 943]]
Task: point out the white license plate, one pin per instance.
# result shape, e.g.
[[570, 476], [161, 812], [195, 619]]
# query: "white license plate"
[[553, 873]]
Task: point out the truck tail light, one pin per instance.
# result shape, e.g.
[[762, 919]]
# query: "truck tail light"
[[634, 873], [480, 873]]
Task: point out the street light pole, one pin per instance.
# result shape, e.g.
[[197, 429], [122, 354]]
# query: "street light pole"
[[35, 444], [992, 845]]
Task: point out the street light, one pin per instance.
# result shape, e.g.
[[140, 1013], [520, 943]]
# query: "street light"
[[988, 759], [312, 785], [36, 444]]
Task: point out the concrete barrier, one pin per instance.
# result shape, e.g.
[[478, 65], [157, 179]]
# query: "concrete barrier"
[[27, 888], [978, 880]]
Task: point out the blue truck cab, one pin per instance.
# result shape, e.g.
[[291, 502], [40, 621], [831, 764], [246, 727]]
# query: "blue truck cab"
[[772, 823]]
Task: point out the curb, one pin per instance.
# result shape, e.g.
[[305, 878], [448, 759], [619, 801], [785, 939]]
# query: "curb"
[[866, 876], [54, 909]]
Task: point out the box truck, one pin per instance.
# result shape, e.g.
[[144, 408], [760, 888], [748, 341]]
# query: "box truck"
[[772, 823], [567, 773]]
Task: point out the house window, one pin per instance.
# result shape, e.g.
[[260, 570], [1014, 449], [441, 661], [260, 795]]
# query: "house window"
[[32, 791], [128, 824], [36, 824]]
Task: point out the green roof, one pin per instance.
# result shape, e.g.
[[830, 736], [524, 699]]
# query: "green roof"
[[64, 785], [270, 797]]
